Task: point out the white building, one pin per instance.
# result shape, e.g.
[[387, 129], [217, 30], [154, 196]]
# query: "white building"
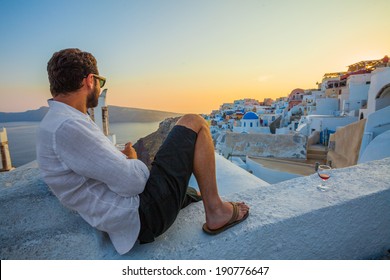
[[376, 137], [267, 119], [379, 92], [262, 109], [308, 124], [327, 106], [250, 123], [353, 96]]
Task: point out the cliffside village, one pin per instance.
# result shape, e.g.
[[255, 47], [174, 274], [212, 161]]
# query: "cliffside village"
[[333, 124]]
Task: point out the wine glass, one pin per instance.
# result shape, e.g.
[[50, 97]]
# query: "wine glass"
[[324, 173]]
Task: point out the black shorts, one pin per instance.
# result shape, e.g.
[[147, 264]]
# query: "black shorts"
[[165, 190]]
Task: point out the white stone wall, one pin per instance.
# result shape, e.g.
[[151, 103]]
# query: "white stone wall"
[[377, 123], [327, 106], [359, 91], [289, 220], [265, 145], [380, 77]]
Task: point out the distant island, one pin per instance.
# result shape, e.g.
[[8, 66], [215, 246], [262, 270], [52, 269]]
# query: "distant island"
[[116, 114]]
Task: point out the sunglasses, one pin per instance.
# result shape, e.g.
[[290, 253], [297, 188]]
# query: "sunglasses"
[[102, 80]]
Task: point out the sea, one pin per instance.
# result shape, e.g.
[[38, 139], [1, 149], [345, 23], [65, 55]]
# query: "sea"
[[22, 137]]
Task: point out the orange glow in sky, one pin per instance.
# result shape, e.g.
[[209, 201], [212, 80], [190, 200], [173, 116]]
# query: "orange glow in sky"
[[188, 56]]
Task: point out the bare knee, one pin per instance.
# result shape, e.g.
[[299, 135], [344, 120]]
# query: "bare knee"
[[193, 121]]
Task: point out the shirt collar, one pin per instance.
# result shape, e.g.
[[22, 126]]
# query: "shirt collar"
[[65, 108]]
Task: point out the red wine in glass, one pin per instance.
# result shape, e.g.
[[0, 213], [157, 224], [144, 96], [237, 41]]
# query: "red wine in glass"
[[324, 176], [324, 173]]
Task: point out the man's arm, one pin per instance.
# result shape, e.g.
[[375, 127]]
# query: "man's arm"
[[83, 148]]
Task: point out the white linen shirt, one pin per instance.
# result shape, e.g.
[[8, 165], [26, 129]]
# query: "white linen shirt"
[[90, 175]]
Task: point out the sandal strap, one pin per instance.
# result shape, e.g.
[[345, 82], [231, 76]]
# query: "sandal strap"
[[235, 213]]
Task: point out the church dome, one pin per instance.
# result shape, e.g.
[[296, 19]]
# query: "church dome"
[[250, 116]]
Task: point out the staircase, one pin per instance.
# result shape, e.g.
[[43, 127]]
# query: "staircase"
[[317, 153]]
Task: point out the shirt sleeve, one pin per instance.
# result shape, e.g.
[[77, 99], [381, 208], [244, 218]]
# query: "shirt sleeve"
[[84, 149]]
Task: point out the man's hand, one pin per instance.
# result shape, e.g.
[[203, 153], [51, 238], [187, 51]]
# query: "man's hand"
[[129, 151]]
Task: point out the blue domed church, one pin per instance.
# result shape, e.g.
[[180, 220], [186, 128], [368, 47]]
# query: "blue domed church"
[[250, 121]]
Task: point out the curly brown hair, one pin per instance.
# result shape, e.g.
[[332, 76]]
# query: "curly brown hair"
[[67, 69]]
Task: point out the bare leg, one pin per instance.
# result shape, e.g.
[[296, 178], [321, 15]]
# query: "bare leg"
[[218, 212]]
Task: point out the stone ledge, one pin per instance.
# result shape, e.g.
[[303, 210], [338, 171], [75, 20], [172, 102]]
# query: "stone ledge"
[[289, 220]]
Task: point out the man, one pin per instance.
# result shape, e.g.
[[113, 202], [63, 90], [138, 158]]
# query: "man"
[[111, 189]]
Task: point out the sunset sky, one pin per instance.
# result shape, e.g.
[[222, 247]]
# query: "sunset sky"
[[188, 56]]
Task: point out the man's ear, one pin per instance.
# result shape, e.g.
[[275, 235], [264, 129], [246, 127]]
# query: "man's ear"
[[90, 80]]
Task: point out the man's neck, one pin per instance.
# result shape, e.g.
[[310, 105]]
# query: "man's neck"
[[75, 100]]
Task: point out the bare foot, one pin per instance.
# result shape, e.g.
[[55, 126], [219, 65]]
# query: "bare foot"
[[222, 215]]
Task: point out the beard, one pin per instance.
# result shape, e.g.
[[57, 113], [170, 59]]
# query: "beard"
[[93, 97]]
